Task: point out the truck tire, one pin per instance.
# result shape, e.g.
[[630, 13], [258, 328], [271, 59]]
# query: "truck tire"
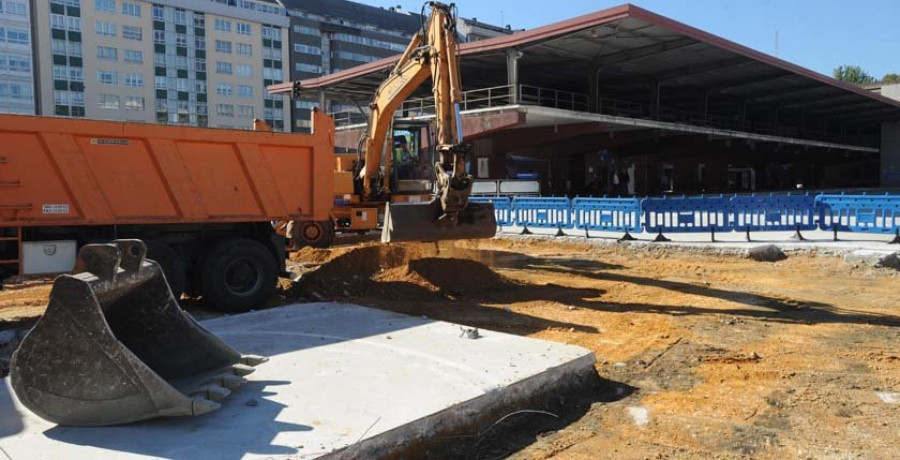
[[238, 275], [172, 265], [316, 234]]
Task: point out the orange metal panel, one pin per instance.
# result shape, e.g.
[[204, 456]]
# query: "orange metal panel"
[[80, 172]]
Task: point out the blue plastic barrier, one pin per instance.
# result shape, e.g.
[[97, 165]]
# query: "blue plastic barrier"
[[607, 214], [543, 212], [686, 215], [502, 208], [773, 213], [859, 213]]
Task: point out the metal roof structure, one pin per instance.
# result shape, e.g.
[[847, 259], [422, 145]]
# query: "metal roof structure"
[[629, 51]]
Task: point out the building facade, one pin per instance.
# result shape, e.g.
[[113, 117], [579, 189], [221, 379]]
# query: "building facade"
[[190, 62], [16, 62], [328, 36]]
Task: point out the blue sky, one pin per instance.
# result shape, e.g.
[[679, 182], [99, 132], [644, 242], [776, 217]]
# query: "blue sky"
[[817, 34]]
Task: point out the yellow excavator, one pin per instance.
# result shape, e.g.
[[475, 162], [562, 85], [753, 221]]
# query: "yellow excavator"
[[449, 215]]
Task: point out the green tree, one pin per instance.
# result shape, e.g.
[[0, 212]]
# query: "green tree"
[[853, 74], [891, 79]]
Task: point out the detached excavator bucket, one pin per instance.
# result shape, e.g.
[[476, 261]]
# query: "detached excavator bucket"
[[421, 222], [115, 347]]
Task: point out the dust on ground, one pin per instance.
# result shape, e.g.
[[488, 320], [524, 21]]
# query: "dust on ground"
[[724, 357]]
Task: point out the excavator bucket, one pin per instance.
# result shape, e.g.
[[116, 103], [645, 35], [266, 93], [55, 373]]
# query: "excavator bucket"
[[115, 347], [421, 222]]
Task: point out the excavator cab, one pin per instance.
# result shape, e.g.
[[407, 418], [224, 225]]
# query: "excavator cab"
[[414, 170]]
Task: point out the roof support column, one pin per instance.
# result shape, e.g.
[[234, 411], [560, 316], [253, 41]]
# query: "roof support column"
[[512, 74], [323, 106]]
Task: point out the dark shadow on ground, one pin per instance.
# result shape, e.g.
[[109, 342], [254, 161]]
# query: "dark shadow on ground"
[[762, 307], [509, 431], [10, 419], [231, 433]]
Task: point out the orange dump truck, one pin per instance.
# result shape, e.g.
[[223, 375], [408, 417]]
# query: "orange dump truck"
[[202, 199]]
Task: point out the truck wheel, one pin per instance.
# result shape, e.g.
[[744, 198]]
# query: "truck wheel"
[[172, 264], [316, 234], [238, 274]]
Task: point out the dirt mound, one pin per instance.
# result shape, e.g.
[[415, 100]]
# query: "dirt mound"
[[410, 271], [311, 256]]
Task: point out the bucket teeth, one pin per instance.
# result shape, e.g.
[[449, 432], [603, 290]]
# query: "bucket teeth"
[[202, 406], [253, 360], [230, 381], [212, 392], [242, 369], [118, 348]]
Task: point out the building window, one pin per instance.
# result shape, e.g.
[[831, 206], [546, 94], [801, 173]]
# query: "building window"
[[305, 104], [301, 67], [223, 68], [134, 80], [355, 56], [359, 40], [77, 98], [225, 110], [159, 37], [76, 74], [159, 13], [16, 36], [245, 111], [273, 74], [108, 101], [105, 29], [244, 70], [273, 33], [134, 56], [244, 29], [222, 25], [244, 49], [180, 16], [131, 9], [200, 43], [105, 6], [61, 97], [199, 65], [108, 77], [307, 30], [224, 89], [15, 64], [307, 49], [108, 53], [134, 103], [132, 33], [16, 8], [60, 72], [245, 91], [160, 82], [223, 46]]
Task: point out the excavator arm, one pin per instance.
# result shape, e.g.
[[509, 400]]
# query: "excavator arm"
[[450, 216]]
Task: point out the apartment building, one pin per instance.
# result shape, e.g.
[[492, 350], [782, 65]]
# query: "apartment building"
[[187, 62], [16, 66], [328, 36]]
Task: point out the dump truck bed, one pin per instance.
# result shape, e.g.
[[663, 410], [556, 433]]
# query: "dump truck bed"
[[57, 171]]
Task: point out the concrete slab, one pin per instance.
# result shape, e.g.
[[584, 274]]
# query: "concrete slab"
[[339, 374]]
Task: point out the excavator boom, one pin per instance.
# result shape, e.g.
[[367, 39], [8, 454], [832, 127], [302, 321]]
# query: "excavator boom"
[[433, 51]]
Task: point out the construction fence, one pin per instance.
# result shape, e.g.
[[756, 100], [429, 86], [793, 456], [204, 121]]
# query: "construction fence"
[[872, 214]]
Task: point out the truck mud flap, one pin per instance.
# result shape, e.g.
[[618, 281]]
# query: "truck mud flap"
[[420, 222], [115, 347]]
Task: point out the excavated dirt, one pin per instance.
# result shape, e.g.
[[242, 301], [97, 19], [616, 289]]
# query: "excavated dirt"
[[702, 355]]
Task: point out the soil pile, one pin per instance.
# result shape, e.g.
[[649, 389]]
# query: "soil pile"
[[408, 271]]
